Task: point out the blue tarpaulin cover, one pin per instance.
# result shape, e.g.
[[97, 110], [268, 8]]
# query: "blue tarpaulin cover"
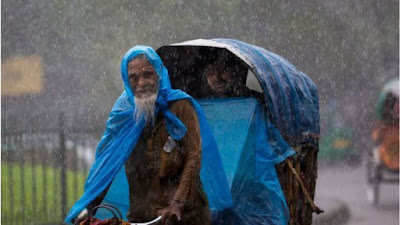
[[250, 146]]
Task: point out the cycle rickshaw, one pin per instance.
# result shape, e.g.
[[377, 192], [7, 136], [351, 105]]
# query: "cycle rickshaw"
[[383, 158], [267, 136]]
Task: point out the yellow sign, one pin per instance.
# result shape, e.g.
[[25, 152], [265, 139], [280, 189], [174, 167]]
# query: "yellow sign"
[[341, 144], [22, 75]]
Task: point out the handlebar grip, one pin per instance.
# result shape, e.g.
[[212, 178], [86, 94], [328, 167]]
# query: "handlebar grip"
[[150, 222]]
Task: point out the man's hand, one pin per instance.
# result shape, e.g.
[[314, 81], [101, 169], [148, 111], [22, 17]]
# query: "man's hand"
[[172, 213], [81, 217]]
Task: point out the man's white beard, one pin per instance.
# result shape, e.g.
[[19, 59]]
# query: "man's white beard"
[[145, 108]]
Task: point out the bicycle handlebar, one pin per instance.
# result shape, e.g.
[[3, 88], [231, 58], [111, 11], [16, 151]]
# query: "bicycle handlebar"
[[148, 223]]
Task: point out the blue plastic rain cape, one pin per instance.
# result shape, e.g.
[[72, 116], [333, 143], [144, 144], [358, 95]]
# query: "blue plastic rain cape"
[[250, 147], [122, 133]]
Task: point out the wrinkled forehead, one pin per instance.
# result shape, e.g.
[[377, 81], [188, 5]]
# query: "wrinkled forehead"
[[140, 63]]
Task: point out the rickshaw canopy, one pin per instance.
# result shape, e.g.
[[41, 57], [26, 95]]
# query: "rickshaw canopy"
[[291, 96], [391, 87]]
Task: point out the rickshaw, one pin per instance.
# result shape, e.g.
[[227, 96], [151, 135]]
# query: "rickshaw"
[[267, 138], [267, 135], [383, 158]]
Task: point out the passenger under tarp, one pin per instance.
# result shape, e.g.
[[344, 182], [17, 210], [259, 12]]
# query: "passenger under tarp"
[[249, 146]]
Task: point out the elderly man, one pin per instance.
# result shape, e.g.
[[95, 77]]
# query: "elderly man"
[[157, 133]]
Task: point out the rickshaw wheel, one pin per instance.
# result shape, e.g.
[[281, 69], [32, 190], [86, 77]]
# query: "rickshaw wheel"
[[374, 177], [373, 187], [370, 170], [377, 181], [372, 164]]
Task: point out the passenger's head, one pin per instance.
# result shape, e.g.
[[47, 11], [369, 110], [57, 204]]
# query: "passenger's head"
[[144, 82], [223, 73], [219, 77]]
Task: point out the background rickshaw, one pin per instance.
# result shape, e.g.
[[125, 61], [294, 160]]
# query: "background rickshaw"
[[383, 158], [281, 114]]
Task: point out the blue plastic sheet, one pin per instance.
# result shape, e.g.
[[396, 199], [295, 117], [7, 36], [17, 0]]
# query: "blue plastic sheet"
[[250, 146], [122, 133], [291, 95]]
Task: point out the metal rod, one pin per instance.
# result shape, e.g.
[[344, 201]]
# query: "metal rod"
[[34, 188], [63, 176], [22, 175], [10, 183]]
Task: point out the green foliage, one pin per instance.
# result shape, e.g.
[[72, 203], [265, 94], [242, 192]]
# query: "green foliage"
[[32, 194]]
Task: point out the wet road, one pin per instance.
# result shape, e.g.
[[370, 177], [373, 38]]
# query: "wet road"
[[348, 185]]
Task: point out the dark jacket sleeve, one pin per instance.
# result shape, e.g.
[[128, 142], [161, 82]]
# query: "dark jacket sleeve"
[[191, 150]]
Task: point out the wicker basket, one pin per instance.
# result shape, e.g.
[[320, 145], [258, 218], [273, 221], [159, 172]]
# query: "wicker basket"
[[302, 167]]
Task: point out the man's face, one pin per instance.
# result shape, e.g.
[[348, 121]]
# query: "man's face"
[[219, 79], [142, 77]]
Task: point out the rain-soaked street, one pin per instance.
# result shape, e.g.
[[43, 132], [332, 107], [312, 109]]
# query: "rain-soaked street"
[[338, 182]]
